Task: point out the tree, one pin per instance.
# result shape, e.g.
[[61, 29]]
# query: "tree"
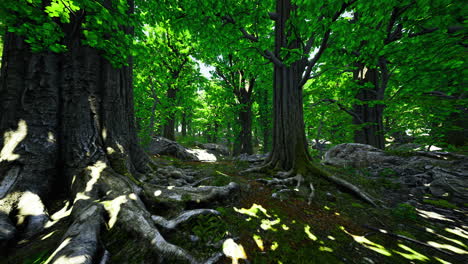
[[238, 79], [68, 129], [371, 43], [299, 28]]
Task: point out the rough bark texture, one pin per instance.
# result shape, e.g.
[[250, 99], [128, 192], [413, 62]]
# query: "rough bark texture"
[[68, 128], [367, 114], [289, 142], [244, 139], [169, 127]]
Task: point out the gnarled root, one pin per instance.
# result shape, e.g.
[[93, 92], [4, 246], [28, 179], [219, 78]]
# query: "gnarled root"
[[182, 218], [103, 197], [352, 188]]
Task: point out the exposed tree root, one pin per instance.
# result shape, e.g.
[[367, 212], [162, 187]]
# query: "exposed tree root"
[[352, 188], [286, 178], [182, 218], [106, 198]]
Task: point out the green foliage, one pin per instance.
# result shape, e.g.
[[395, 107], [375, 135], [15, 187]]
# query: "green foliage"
[[209, 228], [441, 203], [405, 211]]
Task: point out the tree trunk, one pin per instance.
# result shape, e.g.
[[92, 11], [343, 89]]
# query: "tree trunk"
[[152, 130], [368, 115], [169, 126], [184, 124], [244, 139], [68, 127], [289, 142]]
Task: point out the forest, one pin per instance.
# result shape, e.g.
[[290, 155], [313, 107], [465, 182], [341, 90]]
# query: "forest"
[[233, 131]]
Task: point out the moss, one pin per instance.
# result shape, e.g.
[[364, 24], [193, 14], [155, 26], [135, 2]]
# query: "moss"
[[119, 165], [405, 211], [357, 205], [441, 203]]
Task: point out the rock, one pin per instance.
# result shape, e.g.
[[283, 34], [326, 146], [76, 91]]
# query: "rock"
[[449, 183], [216, 149], [164, 146], [252, 158], [443, 174], [353, 155], [203, 155], [330, 197]]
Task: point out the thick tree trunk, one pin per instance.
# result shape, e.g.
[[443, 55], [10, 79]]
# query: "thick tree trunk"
[[68, 127], [368, 115], [289, 142]]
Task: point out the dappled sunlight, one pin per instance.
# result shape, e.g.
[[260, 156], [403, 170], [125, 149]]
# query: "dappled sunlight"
[[412, 255], [448, 247], [253, 211], [95, 173], [44, 237], [30, 204], [258, 240], [309, 234], [11, 140], [233, 250], [62, 245], [268, 224], [113, 208], [368, 244], [442, 261], [274, 245], [432, 215], [325, 249], [458, 242], [457, 231], [203, 155]]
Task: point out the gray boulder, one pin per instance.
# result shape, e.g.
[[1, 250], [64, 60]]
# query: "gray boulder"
[[251, 158], [354, 155], [164, 146], [216, 149], [441, 174]]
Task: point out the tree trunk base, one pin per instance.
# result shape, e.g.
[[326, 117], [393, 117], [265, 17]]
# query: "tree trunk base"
[[108, 209], [303, 174]]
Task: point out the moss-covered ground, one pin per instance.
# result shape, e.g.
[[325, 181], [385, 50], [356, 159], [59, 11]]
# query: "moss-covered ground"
[[335, 228]]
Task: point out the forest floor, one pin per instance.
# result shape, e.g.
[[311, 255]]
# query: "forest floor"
[[335, 228]]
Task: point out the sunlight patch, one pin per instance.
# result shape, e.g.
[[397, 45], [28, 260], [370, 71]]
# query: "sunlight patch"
[[457, 231], [432, 215], [233, 250], [258, 240], [448, 247], [442, 261], [113, 208], [309, 234], [253, 211], [95, 173], [30, 204], [413, 255], [268, 224], [325, 249], [368, 244], [11, 139], [274, 245]]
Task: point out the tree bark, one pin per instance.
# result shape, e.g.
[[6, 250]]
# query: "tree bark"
[[169, 126], [289, 149], [68, 127], [368, 114]]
